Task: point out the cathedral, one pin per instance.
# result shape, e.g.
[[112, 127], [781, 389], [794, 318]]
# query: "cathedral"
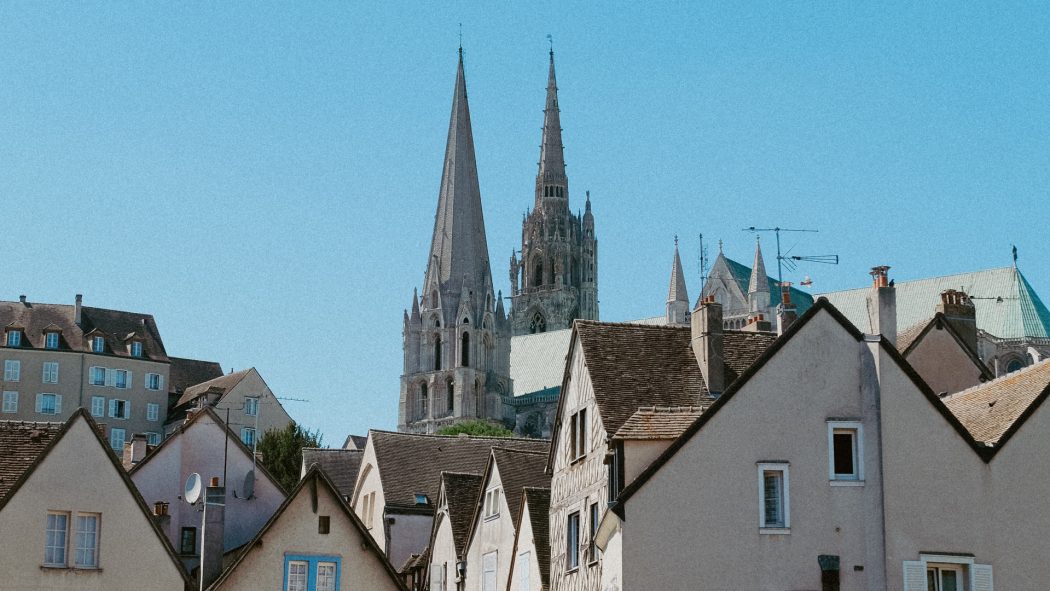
[[457, 336]]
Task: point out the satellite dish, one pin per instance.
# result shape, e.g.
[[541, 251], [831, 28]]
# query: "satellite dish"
[[249, 484], [193, 488]]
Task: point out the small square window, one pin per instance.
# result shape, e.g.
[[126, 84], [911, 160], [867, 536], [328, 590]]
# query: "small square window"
[[845, 453], [98, 344], [323, 524], [51, 340], [774, 510]]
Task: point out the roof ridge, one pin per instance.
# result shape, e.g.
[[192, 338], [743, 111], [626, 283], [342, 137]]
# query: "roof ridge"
[[455, 437], [520, 451], [899, 283]]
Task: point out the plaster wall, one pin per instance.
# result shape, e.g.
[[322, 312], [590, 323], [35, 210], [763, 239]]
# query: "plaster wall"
[[443, 552], [638, 454], [409, 534], [525, 577], [491, 534], [368, 482], [271, 414], [942, 363]]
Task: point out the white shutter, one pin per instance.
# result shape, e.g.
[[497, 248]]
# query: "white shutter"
[[113, 408], [127, 409], [914, 575], [128, 383], [58, 404], [39, 402], [160, 381], [982, 577], [111, 377]]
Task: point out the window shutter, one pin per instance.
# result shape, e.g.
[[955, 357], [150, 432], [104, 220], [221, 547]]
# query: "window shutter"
[[111, 377], [39, 402], [127, 409], [58, 406], [128, 383], [982, 577], [160, 381], [914, 575], [113, 408]]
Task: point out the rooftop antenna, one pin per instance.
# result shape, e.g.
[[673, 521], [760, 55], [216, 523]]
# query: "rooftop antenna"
[[790, 261], [703, 263]]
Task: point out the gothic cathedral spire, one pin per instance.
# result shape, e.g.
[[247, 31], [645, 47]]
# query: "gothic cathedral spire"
[[758, 287], [677, 296], [551, 182]]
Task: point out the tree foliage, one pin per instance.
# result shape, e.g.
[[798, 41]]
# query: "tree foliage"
[[476, 427], [281, 452]]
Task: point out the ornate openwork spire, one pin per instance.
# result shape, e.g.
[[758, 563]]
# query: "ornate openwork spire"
[[551, 180]]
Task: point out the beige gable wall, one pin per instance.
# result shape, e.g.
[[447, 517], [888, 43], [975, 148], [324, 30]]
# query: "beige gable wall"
[[525, 543], [295, 533], [697, 519], [942, 362], [77, 477], [368, 482], [271, 414], [443, 551], [492, 534]]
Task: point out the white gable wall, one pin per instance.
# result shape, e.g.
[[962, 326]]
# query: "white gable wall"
[[491, 534], [525, 543]]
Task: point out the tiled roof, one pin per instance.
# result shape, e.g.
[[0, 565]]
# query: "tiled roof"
[[184, 373], [635, 365], [341, 466], [989, 410], [462, 492], [225, 383], [355, 442], [654, 422], [415, 562], [1020, 313], [22, 442], [116, 327], [538, 501], [410, 464], [742, 274], [906, 337], [537, 361], [519, 469]]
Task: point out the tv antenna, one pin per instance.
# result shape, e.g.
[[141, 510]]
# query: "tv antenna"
[[703, 263], [791, 261]]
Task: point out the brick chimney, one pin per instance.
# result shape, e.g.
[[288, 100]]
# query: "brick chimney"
[[758, 323], [787, 314], [212, 545], [707, 343], [77, 312], [959, 311], [882, 305], [135, 450]]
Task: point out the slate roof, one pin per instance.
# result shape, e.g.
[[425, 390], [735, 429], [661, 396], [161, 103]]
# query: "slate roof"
[[989, 410], [116, 326], [907, 337], [409, 463], [634, 365], [225, 383], [462, 493], [341, 466], [1020, 313], [355, 442], [519, 469], [22, 443], [658, 423], [184, 373], [742, 274], [538, 501], [537, 361]]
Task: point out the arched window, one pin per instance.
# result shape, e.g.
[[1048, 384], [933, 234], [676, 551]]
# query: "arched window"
[[538, 323], [1014, 365], [537, 276], [434, 299], [421, 411], [437, 351], [450, 396], [464, 350]]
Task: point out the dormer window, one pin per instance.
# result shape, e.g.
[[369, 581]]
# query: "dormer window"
[[51, 340], [98, 344], [136, 348], [14, 337]]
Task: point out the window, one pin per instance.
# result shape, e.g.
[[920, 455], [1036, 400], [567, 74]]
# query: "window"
[[324, 524], [120, 378], [438, 576], [97, 376], [946, 573], [10, 401], [248, 436], [120, 409], [773, 510], [51, 340], [56, 531], [251, 406], [578, 435], [464, 350], [845, 453], [492, 503], [188, 541], [592, 549], [572, 541], [136, 348], [311, 573], [50, 372], [367, 508], [14, 338], [450, 395], [12, 370], [98, 344], [116, 439], [152, 411], [152, 438], [523, 567], [49, 404], [154, 381], [98, 406], [437, 352], [86, 555], [488, 572]]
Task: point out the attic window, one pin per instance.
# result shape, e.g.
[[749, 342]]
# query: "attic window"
[[14, 337], [98, 344], [422, 499], [136, 348], [51, 340], [324, 524]]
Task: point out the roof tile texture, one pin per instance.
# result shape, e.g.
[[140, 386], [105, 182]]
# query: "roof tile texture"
[[463, 492], [341, 466], [659, 422], [20, 445], [989, 410], [116, 327]]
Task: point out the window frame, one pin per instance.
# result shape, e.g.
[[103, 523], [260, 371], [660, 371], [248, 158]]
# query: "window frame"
[[152, 411], [135, 349], [154, 381], [244, 439], [121, 373], [113, 431], [785, 498], [101, 402], [312, 562], [492, 504], [494, 555], [12, 370], [97, 375], [49, 375], [95, 537], [13, 338], [594, 517], [578, 436], [98, 344], [10, 403], [183, 540], [52, 340], [856, 430], [572, 541], [152, 438], [56, 406], [49, 546], [121, 404], [251, 406]]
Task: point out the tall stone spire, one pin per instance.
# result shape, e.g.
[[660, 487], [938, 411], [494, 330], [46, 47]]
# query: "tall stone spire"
[[758, 288], [677, 297], [459, 250], [551, 181]]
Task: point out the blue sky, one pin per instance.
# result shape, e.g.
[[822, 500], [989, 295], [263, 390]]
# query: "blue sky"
[[262, 177]]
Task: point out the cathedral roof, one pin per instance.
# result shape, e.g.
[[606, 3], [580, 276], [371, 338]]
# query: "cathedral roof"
[[759, 280], [677, 291], [742, 273], [537, 361]]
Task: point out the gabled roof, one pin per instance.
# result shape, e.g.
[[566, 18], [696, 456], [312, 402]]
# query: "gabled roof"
[[462, 492], [991, 410], [909, 339], [22, 443], [677, 291], [224, 383], [411, 464], [314, 482], [517, 470], [114, 324], [822, 304], [341, 466], [81, 414], [742, 274], [184, 373], [355, 442], [1020, 313], [538, 500], [658, 422], [537, 361]]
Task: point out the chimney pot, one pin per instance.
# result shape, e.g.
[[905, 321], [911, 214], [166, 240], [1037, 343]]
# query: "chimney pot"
[[22, 298], [214, 481], [77, 311]]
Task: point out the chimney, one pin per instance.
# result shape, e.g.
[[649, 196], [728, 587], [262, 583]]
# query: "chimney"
[[882, 305], [212, 546], [77, 309], [707, 343], [22, 298], [959, 311], [161, 517], [758, 323], [787, 314], [135, 450]]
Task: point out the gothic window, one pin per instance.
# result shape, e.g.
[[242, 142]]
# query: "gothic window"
[[434, 299], [464, 350], [537, 277], [575, 266], [450, 395], [421, 411], [437, 351], [1014, 365], [538, 323]]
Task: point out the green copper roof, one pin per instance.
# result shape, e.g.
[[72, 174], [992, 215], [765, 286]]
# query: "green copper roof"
[[742, 274], [1006, 305]]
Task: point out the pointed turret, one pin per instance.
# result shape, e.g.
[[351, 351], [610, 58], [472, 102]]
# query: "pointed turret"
[[758, 288], [551, 182], [415, 306], [459, 250], [677, 297], [501, 315]]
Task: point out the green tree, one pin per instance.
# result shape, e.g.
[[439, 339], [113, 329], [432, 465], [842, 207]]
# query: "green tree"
[[476, 427], [281, 452]]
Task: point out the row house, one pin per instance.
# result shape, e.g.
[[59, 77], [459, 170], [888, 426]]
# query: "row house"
[[531, 557], [242, 398]]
